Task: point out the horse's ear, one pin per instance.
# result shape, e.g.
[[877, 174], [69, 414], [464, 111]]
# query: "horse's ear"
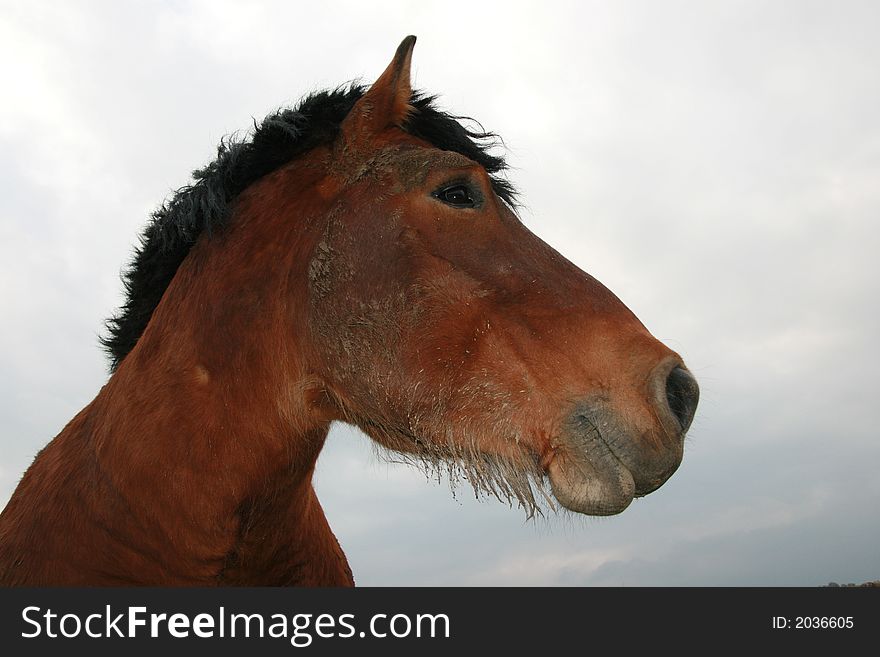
[[386, 104]]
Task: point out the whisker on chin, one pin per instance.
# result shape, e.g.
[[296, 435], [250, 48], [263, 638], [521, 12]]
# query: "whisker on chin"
[[513, 481]]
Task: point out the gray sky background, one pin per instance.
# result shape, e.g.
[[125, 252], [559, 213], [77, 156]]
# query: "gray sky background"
[[716, 164]]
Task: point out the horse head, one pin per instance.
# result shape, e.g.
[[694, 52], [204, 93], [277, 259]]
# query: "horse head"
[[449, 332]]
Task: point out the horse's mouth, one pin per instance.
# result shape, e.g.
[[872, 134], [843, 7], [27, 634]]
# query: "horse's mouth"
[[594, 481], [600, 472]]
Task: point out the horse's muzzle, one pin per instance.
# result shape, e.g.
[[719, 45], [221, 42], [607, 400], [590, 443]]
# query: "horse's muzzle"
[[605, 458]]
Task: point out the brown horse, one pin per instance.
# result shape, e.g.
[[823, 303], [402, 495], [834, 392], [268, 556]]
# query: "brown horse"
[[358, 259]]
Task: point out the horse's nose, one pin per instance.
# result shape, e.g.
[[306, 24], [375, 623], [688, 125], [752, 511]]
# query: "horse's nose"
[[680, 394]]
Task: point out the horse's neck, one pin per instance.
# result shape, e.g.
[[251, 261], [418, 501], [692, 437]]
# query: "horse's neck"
[[194, 463], [284, 539], [160, 485]]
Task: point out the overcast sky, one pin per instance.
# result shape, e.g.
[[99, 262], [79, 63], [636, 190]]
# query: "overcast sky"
[[716, 164]]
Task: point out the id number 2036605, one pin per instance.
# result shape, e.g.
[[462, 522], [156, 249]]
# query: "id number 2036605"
[[813, 622]]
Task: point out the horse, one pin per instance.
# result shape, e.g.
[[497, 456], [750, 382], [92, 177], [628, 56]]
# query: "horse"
[[357, 258]]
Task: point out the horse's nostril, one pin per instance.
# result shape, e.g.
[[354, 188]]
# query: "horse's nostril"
[[682, 395]]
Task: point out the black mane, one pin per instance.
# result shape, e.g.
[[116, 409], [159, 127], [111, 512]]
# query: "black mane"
[[204, 205]]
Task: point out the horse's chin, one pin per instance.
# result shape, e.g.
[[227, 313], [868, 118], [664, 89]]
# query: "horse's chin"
[[602, 486]]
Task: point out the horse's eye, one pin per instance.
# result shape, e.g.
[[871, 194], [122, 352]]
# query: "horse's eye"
[[458, 196]]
